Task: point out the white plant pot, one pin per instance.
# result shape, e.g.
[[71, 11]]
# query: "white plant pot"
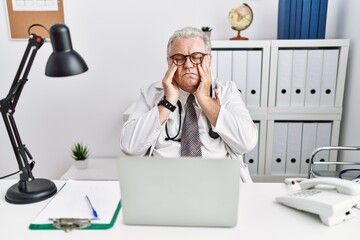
[[81, 164]]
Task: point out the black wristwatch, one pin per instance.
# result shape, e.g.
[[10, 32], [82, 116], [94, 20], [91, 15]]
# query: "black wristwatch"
[[167, 104]]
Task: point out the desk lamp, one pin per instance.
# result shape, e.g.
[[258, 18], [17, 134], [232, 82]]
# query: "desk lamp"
[[64, 61]]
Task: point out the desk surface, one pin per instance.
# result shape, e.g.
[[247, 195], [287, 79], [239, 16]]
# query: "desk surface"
[[97, 169], [260, 217]]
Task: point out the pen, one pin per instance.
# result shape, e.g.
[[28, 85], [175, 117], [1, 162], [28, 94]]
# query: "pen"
[[92, 208]]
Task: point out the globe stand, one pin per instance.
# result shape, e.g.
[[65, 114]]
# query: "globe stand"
[[239, 37]]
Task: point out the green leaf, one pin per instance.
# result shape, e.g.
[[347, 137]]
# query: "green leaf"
[[80, 151]]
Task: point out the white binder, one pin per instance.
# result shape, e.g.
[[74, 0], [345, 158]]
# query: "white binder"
[[323, 139], [279, 148], [313, 80], [298, 78], [329, 75], [214, 64], [293, 151], [252, 158], [308, 145], [253, 78], [284, 72], [224, 65], [239, 73]]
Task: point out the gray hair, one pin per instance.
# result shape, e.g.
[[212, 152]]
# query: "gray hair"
[[189, 32]]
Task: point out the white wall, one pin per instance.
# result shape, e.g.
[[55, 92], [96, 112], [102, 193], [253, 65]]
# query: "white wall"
[[347, 27], [124, 44]]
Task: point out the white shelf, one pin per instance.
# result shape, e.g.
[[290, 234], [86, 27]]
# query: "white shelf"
[[268, 112]]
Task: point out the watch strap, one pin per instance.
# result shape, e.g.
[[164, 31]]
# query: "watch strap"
[[167, 104]]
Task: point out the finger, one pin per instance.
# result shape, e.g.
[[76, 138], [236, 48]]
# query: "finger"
[[206, 62], [205, 74], [170, 72]]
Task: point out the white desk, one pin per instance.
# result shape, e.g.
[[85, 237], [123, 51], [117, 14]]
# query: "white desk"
[[98, 169], [259, 218]]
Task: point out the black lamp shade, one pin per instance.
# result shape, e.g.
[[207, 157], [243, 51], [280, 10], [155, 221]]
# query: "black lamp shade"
[[64, 61]]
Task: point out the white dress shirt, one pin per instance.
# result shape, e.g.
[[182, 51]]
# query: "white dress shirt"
[[142, 132]]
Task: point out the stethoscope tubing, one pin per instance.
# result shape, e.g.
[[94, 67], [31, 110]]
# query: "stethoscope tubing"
[[212, 134]]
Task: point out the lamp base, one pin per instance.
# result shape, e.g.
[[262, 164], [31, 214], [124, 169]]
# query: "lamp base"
[[30, 192]]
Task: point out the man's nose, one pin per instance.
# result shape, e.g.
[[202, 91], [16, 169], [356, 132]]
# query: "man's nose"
[[188, 63]]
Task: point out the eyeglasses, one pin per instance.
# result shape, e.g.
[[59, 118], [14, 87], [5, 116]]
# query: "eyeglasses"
[[195, 58]]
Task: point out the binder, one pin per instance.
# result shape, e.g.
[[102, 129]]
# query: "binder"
[[70, 203], [329, 76], [293, 149], [299, 67], [313, 78], [305, 19], [224, 66], [323, 139], [283, 19], [239, 73], [279, 148], [298, 18], [314, 19], [308, 145], [252, 158], [292, 19], [284, 73], [214, 64], [253, 83], [322, 19]]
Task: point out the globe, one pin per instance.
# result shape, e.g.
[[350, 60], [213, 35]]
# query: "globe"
[[240, 18]]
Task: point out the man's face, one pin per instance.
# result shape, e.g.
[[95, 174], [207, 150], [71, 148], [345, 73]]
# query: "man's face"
[[187, 76]]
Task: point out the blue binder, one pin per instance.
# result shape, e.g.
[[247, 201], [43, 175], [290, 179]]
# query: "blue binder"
[[292, 26], [299, 5], [283, 19], [322, 18], [305, 20], [314, 19]]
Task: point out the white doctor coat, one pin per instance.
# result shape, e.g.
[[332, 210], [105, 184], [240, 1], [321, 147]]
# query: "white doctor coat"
[[143, 134]]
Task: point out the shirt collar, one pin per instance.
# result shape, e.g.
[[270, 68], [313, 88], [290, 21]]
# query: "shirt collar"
[[183, 97]]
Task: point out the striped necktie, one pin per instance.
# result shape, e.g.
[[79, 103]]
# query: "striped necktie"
[[190, 139]]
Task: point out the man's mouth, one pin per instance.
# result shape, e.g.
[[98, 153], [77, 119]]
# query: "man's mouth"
[[190, 74]]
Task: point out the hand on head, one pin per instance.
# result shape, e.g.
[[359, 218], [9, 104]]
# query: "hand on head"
[[205, 79], [171, 88]]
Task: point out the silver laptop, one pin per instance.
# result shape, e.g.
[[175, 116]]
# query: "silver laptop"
[[179, 191]]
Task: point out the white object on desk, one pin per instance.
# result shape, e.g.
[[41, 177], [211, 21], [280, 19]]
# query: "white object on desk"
[[179, 191], [70, 202], [98, 169], [333, 199]]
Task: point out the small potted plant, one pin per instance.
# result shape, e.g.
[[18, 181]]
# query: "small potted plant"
[[207, 30], [80, 153]]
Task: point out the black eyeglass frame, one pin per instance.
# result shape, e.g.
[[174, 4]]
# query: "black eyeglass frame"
[[190, 56]]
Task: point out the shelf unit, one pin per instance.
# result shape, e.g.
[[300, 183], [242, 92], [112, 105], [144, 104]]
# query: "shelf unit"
[[279, 76]]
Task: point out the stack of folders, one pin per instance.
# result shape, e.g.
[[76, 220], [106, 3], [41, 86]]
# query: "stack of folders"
[[307, 78], [302, 19], [293, 144], [242, 67]]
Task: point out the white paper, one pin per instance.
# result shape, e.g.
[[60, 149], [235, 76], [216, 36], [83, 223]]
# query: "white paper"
[[35, 5], [71, 202]]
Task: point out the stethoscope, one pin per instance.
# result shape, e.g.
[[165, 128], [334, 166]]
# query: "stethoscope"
[[212, 134]]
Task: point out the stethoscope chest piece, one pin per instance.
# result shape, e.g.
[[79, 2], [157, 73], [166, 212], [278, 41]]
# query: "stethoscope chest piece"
[[213, 134]]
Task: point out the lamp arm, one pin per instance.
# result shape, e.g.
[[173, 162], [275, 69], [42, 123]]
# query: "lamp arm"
[[8, 104], [34, 44]]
